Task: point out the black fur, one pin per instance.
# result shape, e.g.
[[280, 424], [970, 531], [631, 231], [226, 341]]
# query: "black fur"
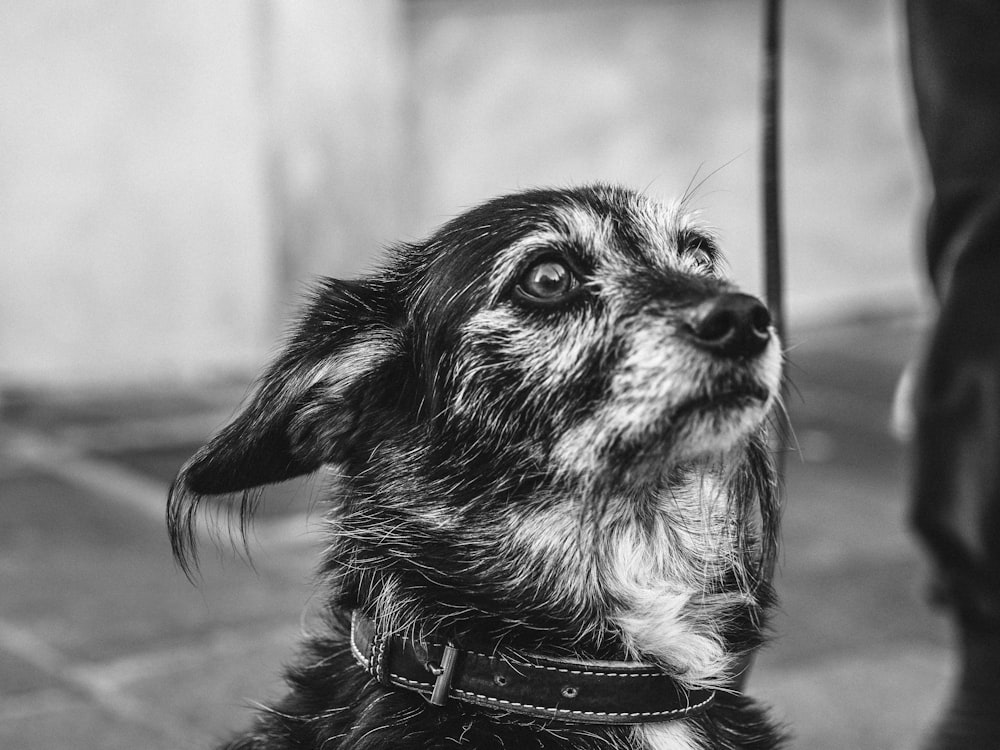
[[446, 443]]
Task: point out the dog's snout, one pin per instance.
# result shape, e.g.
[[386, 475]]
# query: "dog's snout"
[[731, 325]]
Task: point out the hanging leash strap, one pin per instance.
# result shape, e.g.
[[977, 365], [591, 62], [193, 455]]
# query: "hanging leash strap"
[[771, 203], [568, 690], [774, 286], [771, 165]]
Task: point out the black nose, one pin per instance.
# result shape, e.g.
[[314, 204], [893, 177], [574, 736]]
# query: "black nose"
[[731, 325]]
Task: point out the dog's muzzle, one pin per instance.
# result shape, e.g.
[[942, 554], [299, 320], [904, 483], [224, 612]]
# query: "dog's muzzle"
[[569, 690]]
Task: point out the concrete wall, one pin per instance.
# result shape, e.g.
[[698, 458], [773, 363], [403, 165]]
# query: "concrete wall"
[[172, 174]]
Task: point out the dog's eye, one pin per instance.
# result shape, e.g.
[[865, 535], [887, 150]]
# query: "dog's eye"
[[702, 250], [547, 281]]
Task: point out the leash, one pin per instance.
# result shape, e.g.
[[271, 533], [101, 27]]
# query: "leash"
[[771, 165], [774, 287], [575, 691], [771, 201]]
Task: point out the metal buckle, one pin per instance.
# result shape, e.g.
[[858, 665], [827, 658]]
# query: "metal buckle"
[[443, 674]]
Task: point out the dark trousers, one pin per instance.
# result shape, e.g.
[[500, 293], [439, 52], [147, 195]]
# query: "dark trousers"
[[955, 57]]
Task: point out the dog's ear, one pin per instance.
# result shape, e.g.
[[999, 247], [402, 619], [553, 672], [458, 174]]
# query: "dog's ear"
[[302, 411]]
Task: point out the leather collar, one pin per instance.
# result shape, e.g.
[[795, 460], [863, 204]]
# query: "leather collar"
[[570, 690]]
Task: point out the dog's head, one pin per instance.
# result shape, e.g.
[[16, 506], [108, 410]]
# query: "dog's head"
[[547, 349]]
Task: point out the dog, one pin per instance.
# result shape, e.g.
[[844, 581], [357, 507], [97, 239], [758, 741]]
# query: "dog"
[[555, 507]]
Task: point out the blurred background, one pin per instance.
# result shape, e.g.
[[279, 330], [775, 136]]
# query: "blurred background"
[[172, 175]]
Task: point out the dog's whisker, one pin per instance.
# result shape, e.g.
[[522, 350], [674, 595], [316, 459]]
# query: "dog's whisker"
[[690, 192]]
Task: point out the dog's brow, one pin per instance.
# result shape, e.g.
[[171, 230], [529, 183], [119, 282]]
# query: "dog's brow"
[[671, 232], [578, 228], [510, 258], [585, 227]]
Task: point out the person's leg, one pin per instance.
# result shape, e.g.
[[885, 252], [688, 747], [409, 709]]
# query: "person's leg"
[[955, 56]]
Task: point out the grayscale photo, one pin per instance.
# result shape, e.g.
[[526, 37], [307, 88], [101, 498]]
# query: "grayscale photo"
[[521, 375]]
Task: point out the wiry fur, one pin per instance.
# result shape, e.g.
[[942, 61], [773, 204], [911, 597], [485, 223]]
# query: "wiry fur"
[[577, 478]]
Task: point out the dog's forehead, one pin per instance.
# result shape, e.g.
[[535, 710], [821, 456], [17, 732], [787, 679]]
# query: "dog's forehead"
[[622, 224], [611, 230]]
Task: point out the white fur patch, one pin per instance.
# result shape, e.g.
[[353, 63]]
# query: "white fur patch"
[[659, 575], [656, 574], [670, 735], [356, 360]]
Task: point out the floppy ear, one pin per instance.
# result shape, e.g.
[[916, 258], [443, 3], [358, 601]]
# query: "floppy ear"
[[302, 411]]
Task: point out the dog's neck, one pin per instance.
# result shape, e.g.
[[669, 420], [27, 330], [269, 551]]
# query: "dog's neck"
[[662, 574], [656, 578]]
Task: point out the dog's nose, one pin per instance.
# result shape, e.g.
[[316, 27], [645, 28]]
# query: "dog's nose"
[[731, 325]]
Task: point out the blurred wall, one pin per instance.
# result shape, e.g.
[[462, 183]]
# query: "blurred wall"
[[336, 73], [133, 206], [664, 94], [172, 174]]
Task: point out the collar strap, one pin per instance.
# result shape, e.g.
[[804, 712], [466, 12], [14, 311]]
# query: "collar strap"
[[570, 690]]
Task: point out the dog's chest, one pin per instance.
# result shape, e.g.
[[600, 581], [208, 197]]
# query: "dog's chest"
[[662, 576]]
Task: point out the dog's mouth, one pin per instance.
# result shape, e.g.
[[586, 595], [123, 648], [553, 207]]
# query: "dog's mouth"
[[718, 402]]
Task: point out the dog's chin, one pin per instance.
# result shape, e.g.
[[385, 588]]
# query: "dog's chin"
[[708, 427], [700, 429]]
